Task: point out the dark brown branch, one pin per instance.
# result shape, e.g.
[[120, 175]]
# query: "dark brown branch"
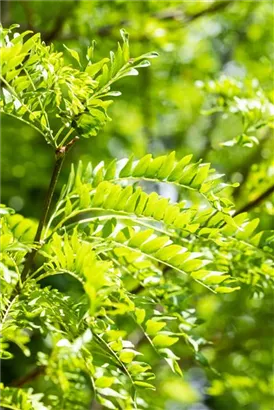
[[106, 30], [59, 23], [255, 202], [180, 15], [29, 14], [221, 5], [38, 371], [176, 15], [5, 7], [60, 156]]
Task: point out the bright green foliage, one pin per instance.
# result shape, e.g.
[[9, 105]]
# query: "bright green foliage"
[[12, 398], [124, 239], [38, 85], [247, 100], [136, 259]]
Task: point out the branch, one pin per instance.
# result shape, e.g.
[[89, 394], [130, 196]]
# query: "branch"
[[38, 371], [60, 154], [187, 18], [175, 15], [28, 14], [213, 9], [59, 24], [56, 30], [5, 13], [256, 201]]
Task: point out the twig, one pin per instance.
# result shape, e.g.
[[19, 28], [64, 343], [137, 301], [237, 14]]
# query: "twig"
[[256, 201]]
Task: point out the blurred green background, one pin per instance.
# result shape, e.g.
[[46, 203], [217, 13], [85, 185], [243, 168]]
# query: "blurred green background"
[[160, 111]]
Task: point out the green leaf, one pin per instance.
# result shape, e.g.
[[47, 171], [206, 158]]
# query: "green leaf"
[[104, 381], [222, 289], [154, 244], [127, 355], [153, 326], [137, 240], [74, 54], [177, 171], [145, 385], [140, 315], [126, 170], [142, 166], [162, 340], [93, 69], [111, 170]]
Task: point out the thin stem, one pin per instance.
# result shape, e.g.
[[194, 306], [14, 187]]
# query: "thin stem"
[[66, 137], [36, 272], [60, 156], [130, 218], [122, 245], [9, 87], [25, 121], [54, 215], [42, 108], [11, 302], [59, 132], [117, 76], [49, 140], [107, 348]]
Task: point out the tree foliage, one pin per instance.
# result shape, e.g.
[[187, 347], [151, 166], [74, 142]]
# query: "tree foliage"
[[138, 268]]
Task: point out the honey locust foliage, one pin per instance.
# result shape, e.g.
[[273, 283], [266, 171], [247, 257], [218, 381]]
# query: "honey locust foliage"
[[244, 99], [134, 255], [38, 86]]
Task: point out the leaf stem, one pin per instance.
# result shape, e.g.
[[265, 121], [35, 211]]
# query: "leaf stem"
[[59, 132], [23, 120], [51, 142], [49, 136], [66, 137]]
